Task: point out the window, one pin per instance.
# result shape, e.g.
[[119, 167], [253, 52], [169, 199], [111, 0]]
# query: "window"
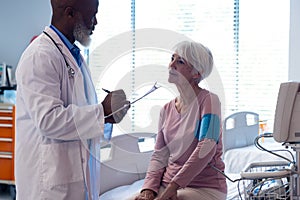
[[248, 39], [263, 54]]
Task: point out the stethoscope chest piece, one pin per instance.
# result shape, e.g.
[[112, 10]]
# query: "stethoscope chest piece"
[[71, 71]]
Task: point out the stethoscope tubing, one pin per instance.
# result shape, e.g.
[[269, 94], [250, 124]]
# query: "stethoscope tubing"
[[71, 71]]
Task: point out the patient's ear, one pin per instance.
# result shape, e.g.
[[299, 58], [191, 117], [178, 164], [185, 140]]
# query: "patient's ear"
[[196, 74]]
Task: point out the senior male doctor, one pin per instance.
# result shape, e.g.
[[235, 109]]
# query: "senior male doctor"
[[59, 122]]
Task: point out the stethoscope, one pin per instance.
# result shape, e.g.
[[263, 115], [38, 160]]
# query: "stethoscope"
[[71, 71]]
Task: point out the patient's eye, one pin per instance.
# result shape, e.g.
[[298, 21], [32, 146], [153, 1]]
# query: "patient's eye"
[[178, 60], [181, 61]]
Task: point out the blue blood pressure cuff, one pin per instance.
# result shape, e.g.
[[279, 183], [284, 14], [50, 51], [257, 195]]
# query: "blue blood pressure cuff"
[[208, 127]]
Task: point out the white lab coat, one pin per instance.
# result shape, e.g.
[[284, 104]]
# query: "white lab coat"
[[53, 124]]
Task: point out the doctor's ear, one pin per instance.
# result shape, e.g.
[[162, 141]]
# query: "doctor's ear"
[[69, 11]]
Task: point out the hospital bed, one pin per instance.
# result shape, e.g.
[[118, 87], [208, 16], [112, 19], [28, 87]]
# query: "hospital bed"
[[125, 161]]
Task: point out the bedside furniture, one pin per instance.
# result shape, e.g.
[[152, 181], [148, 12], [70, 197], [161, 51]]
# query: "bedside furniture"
[[7, 141]]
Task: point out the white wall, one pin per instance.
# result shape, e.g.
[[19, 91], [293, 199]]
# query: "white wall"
[[20, 20], [294, 60]]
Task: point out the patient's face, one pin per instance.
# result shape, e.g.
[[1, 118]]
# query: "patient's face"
[[180, 71]]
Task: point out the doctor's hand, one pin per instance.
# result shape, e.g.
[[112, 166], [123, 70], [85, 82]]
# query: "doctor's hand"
[[115, 106]]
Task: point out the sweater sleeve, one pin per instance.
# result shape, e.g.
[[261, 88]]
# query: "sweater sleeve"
[[196, 164], [158, 162]]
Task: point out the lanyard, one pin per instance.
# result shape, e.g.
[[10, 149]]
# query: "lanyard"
[[71, 71]]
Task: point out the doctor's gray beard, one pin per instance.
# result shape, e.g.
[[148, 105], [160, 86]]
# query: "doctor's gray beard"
[[82, 33]]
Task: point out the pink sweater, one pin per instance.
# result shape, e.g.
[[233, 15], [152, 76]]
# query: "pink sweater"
[[187, 144]]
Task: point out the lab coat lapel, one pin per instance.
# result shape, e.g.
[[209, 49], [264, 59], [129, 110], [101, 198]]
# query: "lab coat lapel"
[[78, 94], [78, 97]]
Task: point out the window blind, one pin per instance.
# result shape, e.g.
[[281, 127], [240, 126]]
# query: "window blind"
[[248, 39]]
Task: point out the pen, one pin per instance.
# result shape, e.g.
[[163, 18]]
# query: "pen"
[[105, 90]]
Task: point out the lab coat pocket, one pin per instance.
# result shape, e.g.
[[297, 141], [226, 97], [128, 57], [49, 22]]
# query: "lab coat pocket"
[[61, 164]]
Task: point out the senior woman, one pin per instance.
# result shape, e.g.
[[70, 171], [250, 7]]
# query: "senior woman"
[[189, 140]]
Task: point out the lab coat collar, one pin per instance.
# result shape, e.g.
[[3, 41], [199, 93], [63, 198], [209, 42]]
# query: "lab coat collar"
[[65, 50]]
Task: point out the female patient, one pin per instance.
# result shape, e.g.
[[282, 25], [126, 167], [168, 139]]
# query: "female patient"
[[189, 140]]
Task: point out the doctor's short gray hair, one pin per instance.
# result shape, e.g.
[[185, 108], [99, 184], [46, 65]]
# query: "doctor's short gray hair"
[[199, 56]]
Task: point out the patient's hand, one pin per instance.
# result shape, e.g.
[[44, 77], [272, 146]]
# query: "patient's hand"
[[145, 195], [170, 193]]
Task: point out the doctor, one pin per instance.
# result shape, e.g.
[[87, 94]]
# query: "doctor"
[[59, 123]]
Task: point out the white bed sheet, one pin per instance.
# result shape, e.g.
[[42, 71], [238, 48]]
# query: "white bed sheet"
[[237, 159], [126, 191], [122, 192]]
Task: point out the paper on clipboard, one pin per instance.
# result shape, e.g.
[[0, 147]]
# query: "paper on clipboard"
[[155, 87]]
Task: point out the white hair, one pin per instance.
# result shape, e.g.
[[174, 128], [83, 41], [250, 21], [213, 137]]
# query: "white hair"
[[196, 54]]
